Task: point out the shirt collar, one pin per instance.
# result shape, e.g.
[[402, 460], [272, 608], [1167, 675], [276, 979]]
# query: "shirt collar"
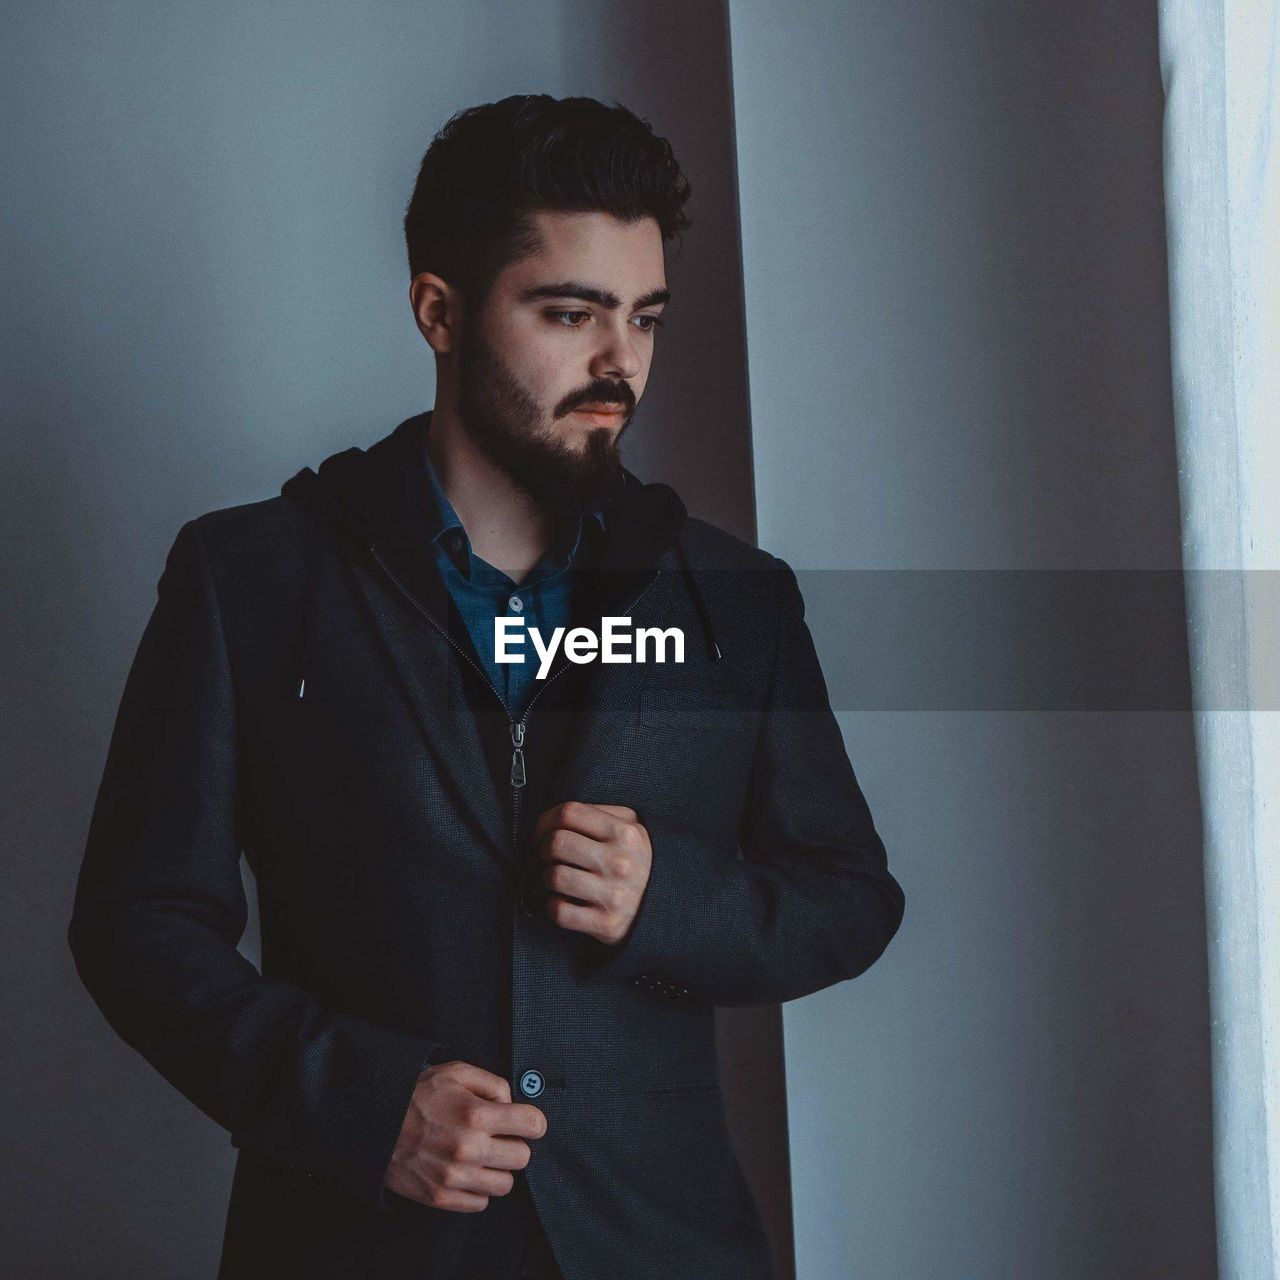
[[447, 531]]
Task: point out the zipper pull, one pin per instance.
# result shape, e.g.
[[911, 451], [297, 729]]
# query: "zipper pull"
[[517, 756]]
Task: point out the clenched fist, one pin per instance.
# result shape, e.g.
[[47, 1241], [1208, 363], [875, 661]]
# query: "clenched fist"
[[598, 858], [461, 1137]]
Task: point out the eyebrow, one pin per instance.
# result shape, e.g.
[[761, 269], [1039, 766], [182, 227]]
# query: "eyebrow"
[[589, 293]]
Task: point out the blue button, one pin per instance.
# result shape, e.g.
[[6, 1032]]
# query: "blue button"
[[531, 1083]]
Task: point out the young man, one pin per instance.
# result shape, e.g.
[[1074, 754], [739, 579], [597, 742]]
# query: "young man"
[[499, 900]]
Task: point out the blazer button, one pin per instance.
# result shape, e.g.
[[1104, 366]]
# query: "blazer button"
[[531, 1083]]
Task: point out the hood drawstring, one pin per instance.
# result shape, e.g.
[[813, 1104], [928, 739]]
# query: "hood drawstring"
[[299, 684], [704, 614], [302, 644]]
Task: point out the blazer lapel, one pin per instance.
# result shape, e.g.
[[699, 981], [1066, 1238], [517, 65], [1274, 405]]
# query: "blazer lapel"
[[426, 663], [609, 689], [387, 547]]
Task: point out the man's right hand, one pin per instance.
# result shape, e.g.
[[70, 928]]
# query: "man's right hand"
[[461, 1135]]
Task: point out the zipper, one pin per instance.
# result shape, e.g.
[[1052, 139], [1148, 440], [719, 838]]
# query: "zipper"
[[518, 728]]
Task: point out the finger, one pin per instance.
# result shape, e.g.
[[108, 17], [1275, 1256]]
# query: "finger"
[[420, 1191], [548, 820], [572, 916], [620, 811], [571, 882], [506, 1153], [572, 849], [484, 1084], [455, 1201], [479, 1179], [518, 1120], [577, 815]]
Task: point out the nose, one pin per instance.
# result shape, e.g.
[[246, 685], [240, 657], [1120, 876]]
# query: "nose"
[[617, 356]]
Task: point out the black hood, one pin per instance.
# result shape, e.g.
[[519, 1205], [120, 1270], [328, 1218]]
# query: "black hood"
[[375, 498]]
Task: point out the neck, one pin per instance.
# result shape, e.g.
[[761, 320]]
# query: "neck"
[[505, 526]]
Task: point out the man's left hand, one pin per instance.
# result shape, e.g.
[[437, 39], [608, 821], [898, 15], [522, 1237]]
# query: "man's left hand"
[[598, 858]]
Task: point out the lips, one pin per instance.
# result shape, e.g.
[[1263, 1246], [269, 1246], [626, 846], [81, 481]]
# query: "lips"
[[608, 416]]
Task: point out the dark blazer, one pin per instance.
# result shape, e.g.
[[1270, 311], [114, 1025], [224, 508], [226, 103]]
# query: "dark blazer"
[[303, 693]]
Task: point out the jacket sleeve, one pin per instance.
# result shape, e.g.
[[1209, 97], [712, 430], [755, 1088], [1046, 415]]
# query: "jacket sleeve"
[[159, 908], [810, 903]]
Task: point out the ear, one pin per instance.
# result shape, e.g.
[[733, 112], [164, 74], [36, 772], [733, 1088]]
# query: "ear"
[[437, 310]]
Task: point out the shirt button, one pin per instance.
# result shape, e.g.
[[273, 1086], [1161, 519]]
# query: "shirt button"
[[455, 540], [531, 1083], [516, 604]]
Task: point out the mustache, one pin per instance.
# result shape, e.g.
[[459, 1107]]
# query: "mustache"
[[599, 392]]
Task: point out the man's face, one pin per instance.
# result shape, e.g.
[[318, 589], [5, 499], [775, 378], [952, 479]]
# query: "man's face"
[[552, 369]]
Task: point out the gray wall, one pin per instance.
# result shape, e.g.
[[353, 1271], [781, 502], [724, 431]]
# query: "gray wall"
[[205, 290], [958, 337]]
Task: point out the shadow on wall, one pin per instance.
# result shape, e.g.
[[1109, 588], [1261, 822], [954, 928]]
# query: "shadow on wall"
[[669, 63]]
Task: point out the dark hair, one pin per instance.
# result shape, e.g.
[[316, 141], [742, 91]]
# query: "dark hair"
[[490, 166]]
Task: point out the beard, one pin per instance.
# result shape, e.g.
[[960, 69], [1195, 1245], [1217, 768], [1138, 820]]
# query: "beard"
[[506, 424]]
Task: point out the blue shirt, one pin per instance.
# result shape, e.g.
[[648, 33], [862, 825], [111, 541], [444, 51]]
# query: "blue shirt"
[[545, 599]]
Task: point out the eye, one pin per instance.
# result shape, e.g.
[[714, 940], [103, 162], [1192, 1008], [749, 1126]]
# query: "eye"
[[654, 323], [569, 319]]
